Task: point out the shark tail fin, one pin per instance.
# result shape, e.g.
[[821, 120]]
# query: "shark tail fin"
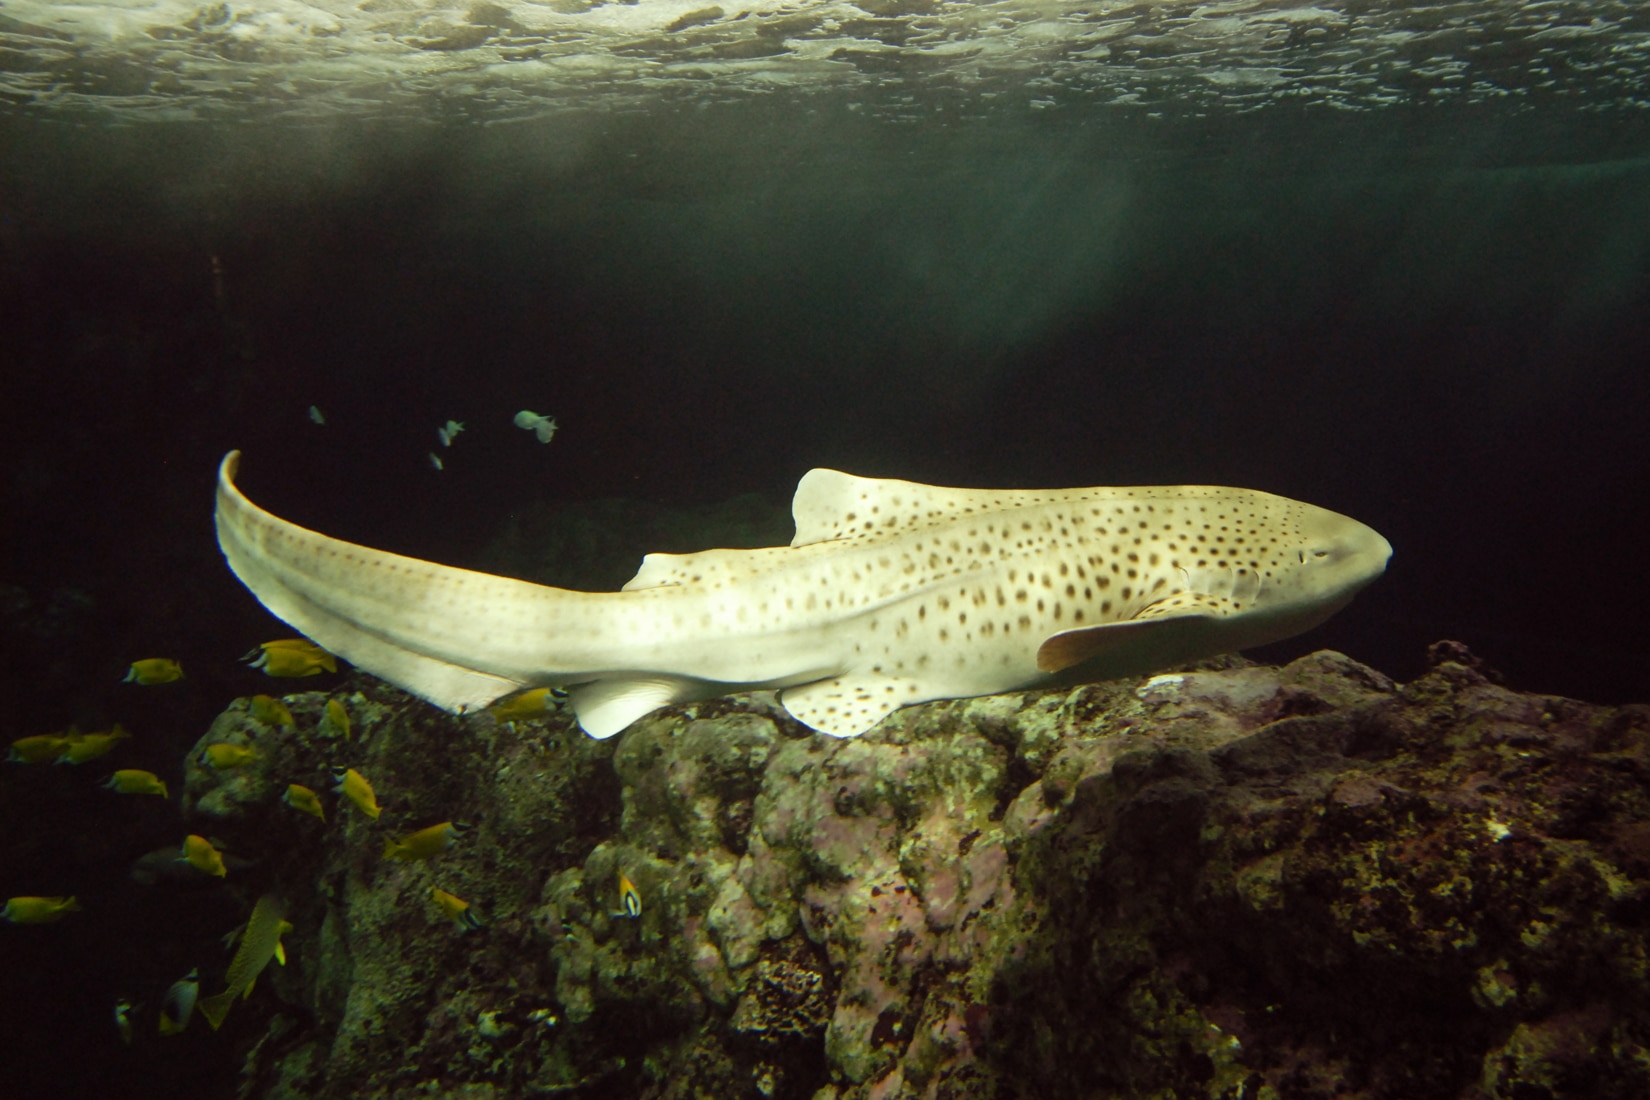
[[324, 587]]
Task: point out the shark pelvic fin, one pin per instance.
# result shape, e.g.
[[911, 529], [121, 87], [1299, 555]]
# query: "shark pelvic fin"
[[847, 705]]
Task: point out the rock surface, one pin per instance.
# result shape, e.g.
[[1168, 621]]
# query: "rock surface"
[[1234, 882]]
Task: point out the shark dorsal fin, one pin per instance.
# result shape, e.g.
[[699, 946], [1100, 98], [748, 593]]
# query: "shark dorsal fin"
[[830, 505]]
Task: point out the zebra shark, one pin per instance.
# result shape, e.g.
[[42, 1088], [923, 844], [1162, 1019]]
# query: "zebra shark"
[[892, 593]]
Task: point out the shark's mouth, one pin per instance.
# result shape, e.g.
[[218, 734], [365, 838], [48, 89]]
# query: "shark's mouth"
[[487, 60]]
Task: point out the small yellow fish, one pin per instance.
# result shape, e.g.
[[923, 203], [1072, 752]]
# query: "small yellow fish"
[[301, 798], [521, 706], [178, 1006], [630, 898], [292, 657], [199, 854], [28, 910], [39, 748], [136, 781], [270, 711], [425, 843], [456, 908], [155, 670], [338, 716], [260, 942], [354, 786], [82, 747], [286, 643], [123, 1020], [224, 755]]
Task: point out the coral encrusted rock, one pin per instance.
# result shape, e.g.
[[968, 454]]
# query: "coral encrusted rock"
[[1232, 881]]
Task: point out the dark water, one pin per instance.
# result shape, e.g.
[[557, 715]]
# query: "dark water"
[[1432, 320]]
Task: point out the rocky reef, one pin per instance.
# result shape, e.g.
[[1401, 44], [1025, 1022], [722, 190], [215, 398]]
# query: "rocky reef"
[[1235, 881]]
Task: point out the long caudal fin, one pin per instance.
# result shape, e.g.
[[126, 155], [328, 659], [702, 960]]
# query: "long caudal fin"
[[407, 621]]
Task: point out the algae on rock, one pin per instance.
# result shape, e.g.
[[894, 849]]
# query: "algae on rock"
[[1229, 881]]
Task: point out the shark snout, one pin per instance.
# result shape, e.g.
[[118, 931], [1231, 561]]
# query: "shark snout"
[[1349, 554]]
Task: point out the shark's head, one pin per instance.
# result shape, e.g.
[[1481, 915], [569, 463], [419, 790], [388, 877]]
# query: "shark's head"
[[1322, 561]]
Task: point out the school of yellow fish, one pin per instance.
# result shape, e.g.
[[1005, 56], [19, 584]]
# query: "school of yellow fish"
[[260, 938]]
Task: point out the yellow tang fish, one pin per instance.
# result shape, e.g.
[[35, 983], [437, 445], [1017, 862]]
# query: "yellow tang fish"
[[630, 898], [286, 643], [338, 716], [260, 942], [270, 711], [155, 670], [456, 908], [199, 854], [136, 781], [82, 747], [224, 755], [301, 798], [27, 910], [354, 786], [521, 706], [425, 843], [292, 657], [178, 1005], [39, 748]]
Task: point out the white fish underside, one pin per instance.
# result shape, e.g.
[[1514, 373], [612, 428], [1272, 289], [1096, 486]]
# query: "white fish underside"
[[892, 593]]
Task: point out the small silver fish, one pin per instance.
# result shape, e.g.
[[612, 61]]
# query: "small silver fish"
[[449, 432], [435, 460], [123, 1019], [315, 415], [542, 426]]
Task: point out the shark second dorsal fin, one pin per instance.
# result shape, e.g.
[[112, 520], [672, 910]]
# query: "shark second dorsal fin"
[[660, 570]]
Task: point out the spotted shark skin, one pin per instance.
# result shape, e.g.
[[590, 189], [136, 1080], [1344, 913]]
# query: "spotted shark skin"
[[892, 593]]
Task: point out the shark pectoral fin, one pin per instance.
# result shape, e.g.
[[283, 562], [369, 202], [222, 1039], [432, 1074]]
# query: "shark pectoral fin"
[[847, 705], [605, 707], [1157, 635], [1072, 647]]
